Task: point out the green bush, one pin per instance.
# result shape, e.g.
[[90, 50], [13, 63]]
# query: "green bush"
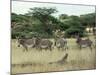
[[71, 32]]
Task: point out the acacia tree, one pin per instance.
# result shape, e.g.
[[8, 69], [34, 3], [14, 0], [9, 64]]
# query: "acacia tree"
[[44, 16], [37, 20]]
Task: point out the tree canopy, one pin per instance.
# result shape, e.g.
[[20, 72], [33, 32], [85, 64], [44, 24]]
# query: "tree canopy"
[[41, 22]]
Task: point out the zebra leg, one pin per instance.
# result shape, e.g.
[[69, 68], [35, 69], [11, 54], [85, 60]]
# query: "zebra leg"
[[66, 47], [26, 48], [80, 47], [58, 48], [46, 48], [55, 43], [39, 49], [63, 48], [94, 45], [50, 48]]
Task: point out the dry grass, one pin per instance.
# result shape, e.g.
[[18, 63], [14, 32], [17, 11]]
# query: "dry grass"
[[38, 61]]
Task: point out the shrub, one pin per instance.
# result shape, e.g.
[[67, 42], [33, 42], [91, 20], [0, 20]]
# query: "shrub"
[[71, 32]]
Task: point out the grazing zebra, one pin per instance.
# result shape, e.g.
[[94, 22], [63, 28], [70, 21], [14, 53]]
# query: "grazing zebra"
[[26, 43], [44, 44], [84, 43], [61, 43]]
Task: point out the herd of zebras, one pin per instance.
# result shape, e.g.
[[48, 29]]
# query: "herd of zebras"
[[47, 44]]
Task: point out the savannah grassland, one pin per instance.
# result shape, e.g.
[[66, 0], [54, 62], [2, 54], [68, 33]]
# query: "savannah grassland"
[[39, 61]]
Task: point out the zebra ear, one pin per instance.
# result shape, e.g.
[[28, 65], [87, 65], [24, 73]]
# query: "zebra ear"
[[17, 37]]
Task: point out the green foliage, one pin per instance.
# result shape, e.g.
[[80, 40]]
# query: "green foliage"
[[40, 22], [44, 15], [88, 20], [71, 32], [73, 26], [63, 16]]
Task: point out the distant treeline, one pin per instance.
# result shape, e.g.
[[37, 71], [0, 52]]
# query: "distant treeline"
[[40, 22]]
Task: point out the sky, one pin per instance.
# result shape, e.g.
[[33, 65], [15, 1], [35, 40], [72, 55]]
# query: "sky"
[[20, 7]]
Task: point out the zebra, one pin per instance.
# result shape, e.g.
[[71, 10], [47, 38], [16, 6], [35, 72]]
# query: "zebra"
[[26, 43], [44, 44], [61, 43], [84, 43]]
